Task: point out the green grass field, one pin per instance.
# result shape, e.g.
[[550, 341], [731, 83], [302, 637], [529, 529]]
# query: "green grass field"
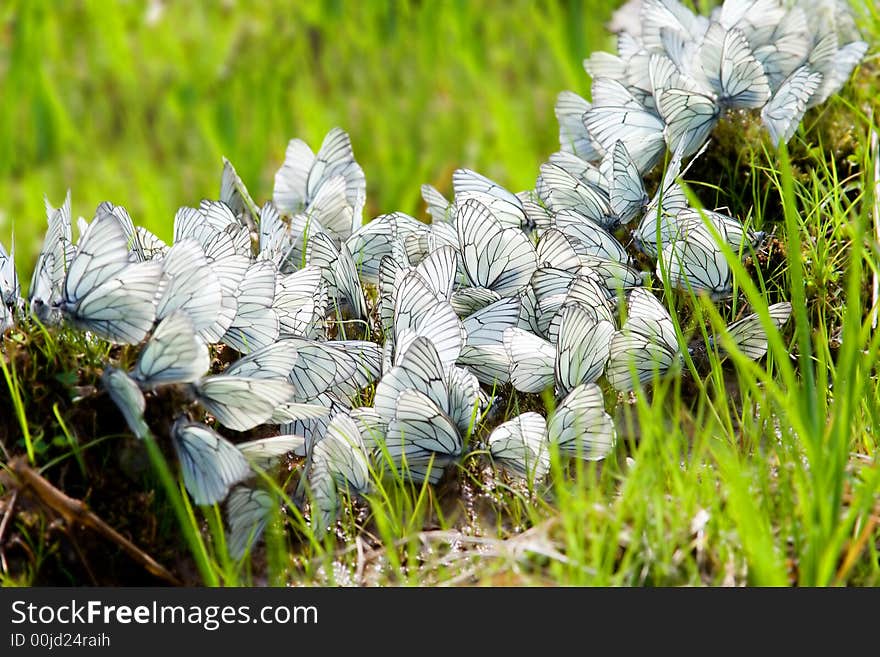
[[737, 473]]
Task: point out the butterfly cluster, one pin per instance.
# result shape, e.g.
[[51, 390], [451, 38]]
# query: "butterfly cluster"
[[678, 73], [315, 312]]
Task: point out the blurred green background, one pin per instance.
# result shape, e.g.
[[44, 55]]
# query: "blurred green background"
[[136, 102]]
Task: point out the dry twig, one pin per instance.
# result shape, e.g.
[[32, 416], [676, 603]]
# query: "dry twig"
[[74, 512]]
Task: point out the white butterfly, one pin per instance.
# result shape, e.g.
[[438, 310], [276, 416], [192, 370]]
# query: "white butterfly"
[[264, 453], [693, 261], [51, 266], [437, 272], [627, 194], [439, 206], [730, 69], [103, 292], [520, 445], [573, 136], [659, 223], [483, 353], [379, 238], [339, 462], [127, 395], [339, 271], [466, 399], [783, 114], [580, 427], [421, 437], [500, 259], [554, 249], [256, 321], [418, 311], [135, 250], [578, 357], [234, 193], [646, 346], [582, 349], [748, 335], [301, 303], [560, 190], [239, 402], [281, 240], [303, 176], [418, 367], [10, 288], [211, 465], [152, 247], [616, 115], [690, 117], [503, 205], [212, 217], [738, 236], [190, 285], [585, 292], [248, 511], [173, 354], [588, 237]]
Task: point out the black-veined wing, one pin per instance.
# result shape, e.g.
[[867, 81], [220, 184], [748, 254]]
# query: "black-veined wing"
[[439, 206], [520, 446], [731, 70], [190, 285], [580, 427], [211, 465], [242, 403], [582, 350], [646, 346], [339, 461], [494, 257], [690, 117], [379, 238], [748, 334], [248, 511], [587, 237], [10, 288], [339, 271], [503, 204], [783, 114], [256, 323], [301, 303], [531, 358], [103, 292], [173, 354], [234, 193], [127, 395], [694, 261], [418, 368], [419, 423], [627, 194], [573, 136], [559, 190]]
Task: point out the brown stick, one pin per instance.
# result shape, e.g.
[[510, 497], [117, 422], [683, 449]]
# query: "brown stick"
[[6, 516], [75, 512]]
